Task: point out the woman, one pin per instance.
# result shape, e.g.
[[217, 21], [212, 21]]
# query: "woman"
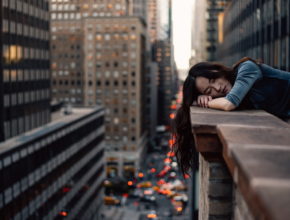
[[212, 85]]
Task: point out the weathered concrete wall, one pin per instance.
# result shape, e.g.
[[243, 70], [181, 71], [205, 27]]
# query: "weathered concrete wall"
[[216, 199], [241, 209]]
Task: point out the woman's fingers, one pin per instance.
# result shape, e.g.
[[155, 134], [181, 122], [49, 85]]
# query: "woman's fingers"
[[199, 101], [203, 100]]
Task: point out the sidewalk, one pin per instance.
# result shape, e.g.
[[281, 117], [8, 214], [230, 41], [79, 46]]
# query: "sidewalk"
[[130, 215], [112, 213]]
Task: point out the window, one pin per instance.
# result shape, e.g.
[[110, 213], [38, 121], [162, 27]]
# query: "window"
[[107, 74], [107, 37]]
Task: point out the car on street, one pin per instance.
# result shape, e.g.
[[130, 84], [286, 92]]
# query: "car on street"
[[148, 198], [111, 200]]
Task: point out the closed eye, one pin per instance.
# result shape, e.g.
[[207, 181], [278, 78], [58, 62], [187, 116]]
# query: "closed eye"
[[207, 91], [211, 80]]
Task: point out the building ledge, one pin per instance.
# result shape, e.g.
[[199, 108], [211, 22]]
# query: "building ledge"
[[255, 147]]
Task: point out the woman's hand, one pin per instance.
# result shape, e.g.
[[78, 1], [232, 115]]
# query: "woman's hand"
[[202, 100]]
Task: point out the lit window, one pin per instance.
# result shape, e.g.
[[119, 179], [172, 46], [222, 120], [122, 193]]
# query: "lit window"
[[133, 37], [107, 73], [107, 37]]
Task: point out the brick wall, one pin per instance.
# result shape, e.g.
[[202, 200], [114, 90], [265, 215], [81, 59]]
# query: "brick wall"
[[215, 191]]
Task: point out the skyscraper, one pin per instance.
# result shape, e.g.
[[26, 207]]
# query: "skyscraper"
[[153, 19], [99, 57], [167, 73], [139, 9], [198, 30], [25, 74], [56, 170], [258, 29], [215, 15]]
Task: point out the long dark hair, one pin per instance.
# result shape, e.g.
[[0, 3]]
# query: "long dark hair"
[[184, 146]]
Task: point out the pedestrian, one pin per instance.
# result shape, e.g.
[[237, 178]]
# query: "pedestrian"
[[248, 84]]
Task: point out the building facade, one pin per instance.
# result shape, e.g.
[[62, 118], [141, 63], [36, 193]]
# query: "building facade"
[[153, 20], [99, 53], [214, 31], [199, 32], [258, 29], [55, 171], [139, 9], [162, 53], [25, 71], [167, 79]]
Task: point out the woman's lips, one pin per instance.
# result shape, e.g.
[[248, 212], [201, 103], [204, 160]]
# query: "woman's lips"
[[225, 90]]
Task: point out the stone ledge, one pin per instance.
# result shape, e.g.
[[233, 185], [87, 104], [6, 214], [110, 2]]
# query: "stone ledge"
[[256, 149]]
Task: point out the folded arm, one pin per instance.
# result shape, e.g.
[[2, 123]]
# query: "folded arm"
[[218, 103], [221, 104]]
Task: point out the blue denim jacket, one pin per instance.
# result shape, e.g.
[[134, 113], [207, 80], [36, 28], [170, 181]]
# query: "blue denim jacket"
[[267, 88]]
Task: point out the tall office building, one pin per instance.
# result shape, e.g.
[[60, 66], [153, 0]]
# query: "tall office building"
[[215, 20], [139, 8], [153, 19], [167, 80], [55, 171], [198, 32], [25, 73], [258, 29], [99, 57]]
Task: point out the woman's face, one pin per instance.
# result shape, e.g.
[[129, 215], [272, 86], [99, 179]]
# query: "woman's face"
[[219, 87]]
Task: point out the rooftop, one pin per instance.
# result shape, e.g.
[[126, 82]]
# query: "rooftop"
[[59, 119]]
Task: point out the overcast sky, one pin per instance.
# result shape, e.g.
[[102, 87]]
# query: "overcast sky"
[[182, 19]]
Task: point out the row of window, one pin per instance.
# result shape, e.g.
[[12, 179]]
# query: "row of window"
[[25, 123], [72, 7], [26, 97], [78, 16], [72, 65], [16, 53], [107, 37], [118, 138], [98, 28], [73, 100], [25, 75], [24, 30], [115, 64], [28, 8], [64, 66]]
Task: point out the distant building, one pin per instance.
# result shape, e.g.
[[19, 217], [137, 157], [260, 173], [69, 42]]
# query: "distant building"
[[167, 79], [139, 9], [55, 171], [99, 57], [151, 99], [162, 54], [24, 66], [153, 20], [258, 29], [198, 32], [215, 19]]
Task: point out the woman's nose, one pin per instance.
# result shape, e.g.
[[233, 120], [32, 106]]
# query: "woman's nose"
[[217, 87]]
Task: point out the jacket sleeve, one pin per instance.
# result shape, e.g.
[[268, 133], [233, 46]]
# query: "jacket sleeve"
[[248, 74]]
